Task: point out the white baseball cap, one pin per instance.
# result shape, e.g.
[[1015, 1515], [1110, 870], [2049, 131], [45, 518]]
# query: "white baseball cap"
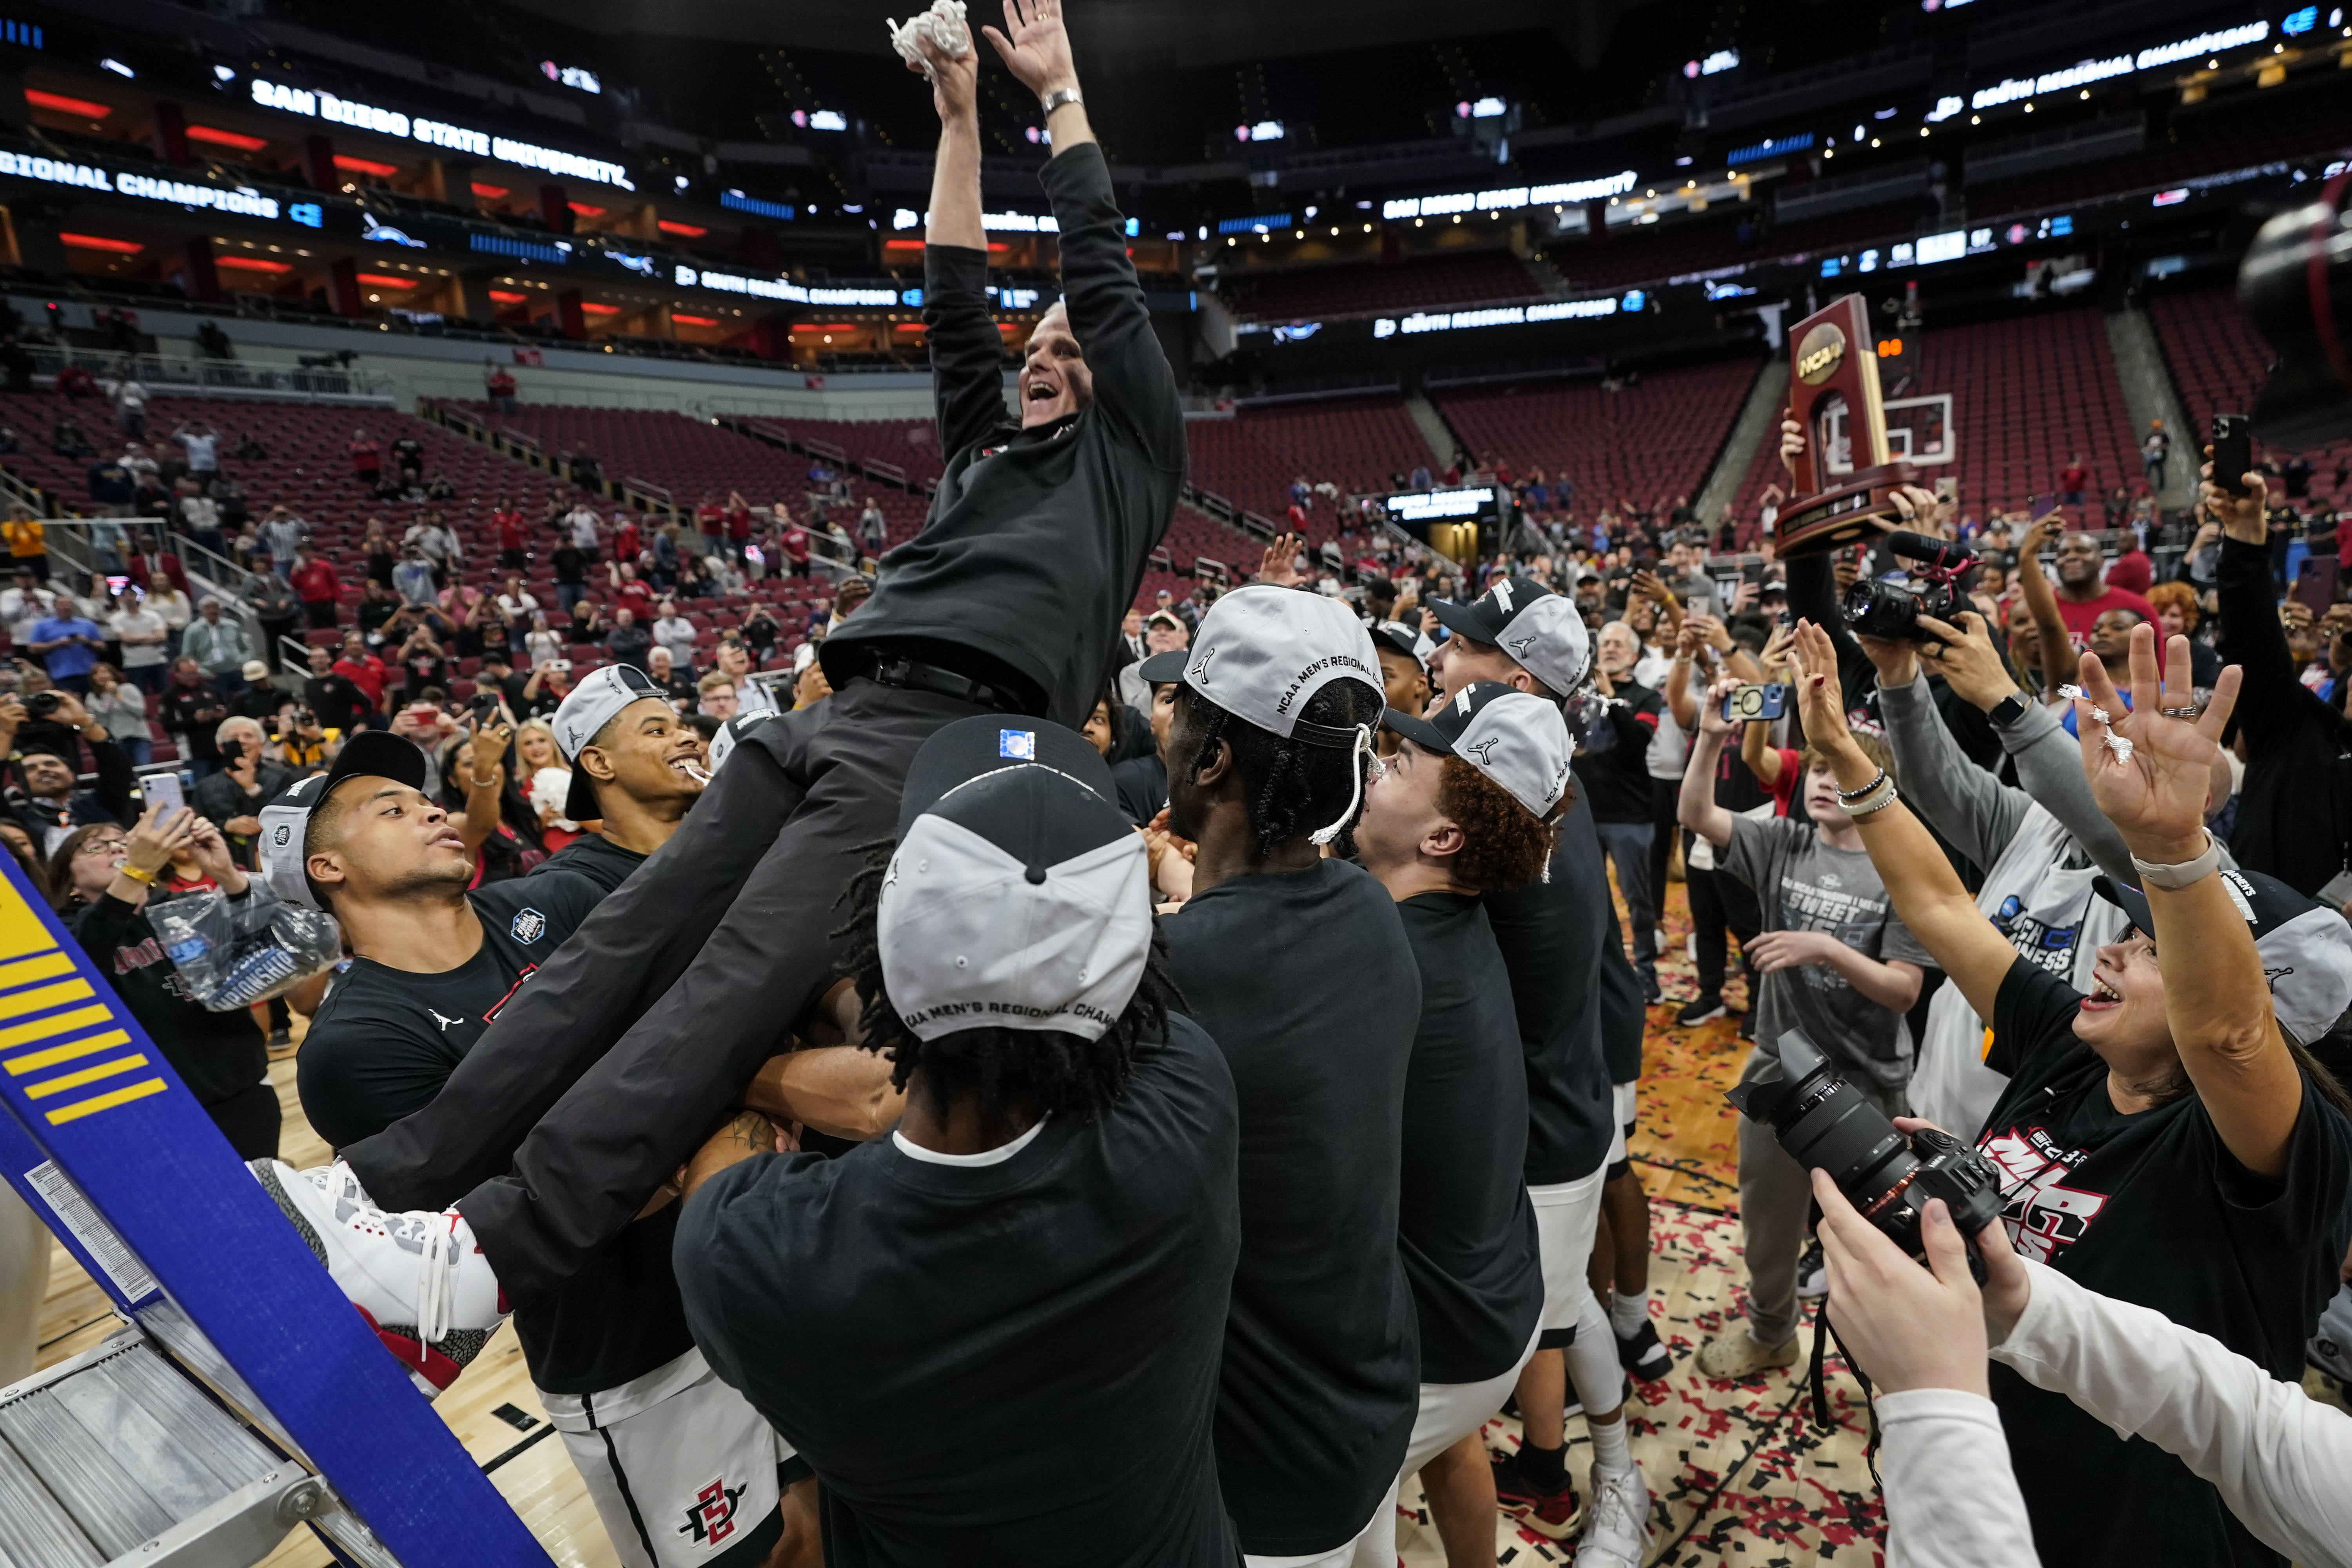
[[587, 710], [1263, 652], [1513, 737], [1018, 896]]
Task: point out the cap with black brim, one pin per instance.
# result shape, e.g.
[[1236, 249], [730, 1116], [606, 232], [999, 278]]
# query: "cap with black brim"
[[1543, 631], [1515, 739], [1163, 669], [285, 822], [1018, 896], [2305, 947]]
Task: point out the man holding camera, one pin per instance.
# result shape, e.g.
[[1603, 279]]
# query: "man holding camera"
[[1835, 963]]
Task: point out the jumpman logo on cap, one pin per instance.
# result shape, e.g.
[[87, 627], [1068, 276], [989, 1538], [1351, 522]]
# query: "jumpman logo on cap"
[[1484, 751], [1200, 671]]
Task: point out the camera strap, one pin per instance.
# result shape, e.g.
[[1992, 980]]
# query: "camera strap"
[[1823, 1332]]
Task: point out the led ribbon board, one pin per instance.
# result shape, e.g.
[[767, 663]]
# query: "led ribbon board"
[[436, 133]]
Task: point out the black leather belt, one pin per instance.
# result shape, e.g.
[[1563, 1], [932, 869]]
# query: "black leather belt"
[[914, 675]]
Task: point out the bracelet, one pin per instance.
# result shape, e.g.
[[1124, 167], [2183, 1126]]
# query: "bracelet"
[[136, 875], [1878, 797], [1058, 97], [2182, 874], [1858, 794]]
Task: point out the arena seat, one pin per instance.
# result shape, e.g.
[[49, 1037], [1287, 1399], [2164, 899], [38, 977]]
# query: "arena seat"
[[1356, 442]]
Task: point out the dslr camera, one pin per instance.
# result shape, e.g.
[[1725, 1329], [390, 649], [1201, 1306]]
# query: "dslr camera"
[[1824, 1123], [1890, 607]]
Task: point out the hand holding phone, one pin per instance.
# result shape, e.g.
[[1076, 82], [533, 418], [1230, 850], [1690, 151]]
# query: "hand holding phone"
[[163, 790], [2233, 452]]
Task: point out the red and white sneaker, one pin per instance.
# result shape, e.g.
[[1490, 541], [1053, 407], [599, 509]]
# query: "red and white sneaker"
[[417, 1278]]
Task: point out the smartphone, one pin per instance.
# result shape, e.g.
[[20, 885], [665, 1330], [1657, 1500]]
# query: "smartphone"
[[2315, 580], [2233, 451], [2042, 507], [1948, 488], [1701, 605], [1770, 701], [163, 790]]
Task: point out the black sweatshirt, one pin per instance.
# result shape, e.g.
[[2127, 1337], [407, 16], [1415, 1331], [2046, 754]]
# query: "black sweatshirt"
[[1813, 596], [2293, 820], [1036, 541], [216, 1055]]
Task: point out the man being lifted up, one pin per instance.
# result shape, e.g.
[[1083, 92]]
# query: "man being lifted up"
[[598, 1080]]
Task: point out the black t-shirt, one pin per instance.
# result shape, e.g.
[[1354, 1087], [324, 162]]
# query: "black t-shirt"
[[216, 1055], [1142, 786], [604, 864], [195, 711], [2149, 1207], [571, 566], [1089, 497], [1466, 1230], [1006, 1362], [384, 1041], [337, 700], [1322, 1364], [1554, 937], [1617, 779]]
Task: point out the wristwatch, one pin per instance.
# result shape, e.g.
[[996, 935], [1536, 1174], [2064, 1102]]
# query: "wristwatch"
[[2008, 710], [1058, 97]]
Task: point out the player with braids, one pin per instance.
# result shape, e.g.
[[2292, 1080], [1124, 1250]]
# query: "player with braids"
[[1293, 788], [989, 1065]]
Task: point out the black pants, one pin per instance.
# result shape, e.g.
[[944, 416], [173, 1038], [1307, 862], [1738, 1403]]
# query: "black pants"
[[270, 632], [613, 1064], [1665, 799], [249, 1119], [319, 613], [1720, 903]]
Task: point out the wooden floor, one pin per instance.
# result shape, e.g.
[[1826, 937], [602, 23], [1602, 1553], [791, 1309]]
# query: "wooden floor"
[[1739, 1474]]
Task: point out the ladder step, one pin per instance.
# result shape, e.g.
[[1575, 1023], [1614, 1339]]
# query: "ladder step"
[[35, 1532], [129, 1448]]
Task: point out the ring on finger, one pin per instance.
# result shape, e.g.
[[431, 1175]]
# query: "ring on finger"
[[2189, 712]]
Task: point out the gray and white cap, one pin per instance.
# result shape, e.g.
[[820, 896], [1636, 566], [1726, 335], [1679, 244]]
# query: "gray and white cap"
[[1018, 896], [1262, 654], [587, 708], [1542, 630], [1515, 737], [2305, 947]]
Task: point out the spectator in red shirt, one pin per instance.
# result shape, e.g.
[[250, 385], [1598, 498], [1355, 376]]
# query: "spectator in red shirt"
[[630, 591], [315, 582], [507, 519], [150, 563], [362, 669], [738, 523], [795, 543], [2084, 594], [710, 517], [2073, 480], [627, 542], [367, 459]]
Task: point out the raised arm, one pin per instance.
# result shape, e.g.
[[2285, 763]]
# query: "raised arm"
[[1926, 895], [2049, 764], [2220, 1015], [1966, 805], [967, 355], [1133, 383], [2041, 601], [1696, 807], [2271, 699]]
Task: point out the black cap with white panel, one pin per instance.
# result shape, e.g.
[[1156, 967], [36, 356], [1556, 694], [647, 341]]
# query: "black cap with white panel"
[[1513, 737], [1542, 630]]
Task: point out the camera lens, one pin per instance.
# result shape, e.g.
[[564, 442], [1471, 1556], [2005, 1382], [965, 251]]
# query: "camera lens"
[[41, 704], [1875, 609], [1824, 1123]]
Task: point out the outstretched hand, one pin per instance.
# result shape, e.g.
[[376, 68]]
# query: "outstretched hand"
[[1821, 696], [955, 82], [2151, 769], [1279, 565], [1038, 51]]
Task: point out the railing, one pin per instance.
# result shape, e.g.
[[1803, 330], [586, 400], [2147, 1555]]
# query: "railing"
[[211, 377], [71, 542]]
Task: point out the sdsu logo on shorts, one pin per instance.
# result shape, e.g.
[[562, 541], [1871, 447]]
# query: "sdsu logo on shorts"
[[528, 926], [710, 1517]]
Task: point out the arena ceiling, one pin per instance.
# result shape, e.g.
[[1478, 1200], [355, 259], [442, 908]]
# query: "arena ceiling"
[[1122, 34]]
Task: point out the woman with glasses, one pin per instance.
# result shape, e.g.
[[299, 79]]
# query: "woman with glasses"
[[102, 876]]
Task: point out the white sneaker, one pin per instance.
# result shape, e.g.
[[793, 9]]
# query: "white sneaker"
[[417, 1278], [1617, 1520]]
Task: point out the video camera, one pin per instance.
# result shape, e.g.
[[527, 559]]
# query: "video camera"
[[1824, 1123], [1878, 607]]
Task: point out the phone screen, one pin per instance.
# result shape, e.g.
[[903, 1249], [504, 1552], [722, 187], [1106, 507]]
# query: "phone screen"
[[2043, 507]]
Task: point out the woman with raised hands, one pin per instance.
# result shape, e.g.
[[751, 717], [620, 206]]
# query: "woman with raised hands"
[[2167, 1145]]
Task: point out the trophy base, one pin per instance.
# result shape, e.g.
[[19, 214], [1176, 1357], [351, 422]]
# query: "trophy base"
[[1861, 509]]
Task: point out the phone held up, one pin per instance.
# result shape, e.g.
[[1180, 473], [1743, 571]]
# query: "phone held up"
[[1770, 701], [2233, 451]]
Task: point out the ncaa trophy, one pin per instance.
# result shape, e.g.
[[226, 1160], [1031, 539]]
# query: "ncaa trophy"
[[1833, 364]]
